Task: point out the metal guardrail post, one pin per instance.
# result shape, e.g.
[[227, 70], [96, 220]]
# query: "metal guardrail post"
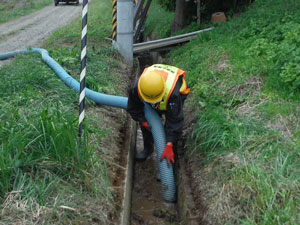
[[114, 20], [124, 43]]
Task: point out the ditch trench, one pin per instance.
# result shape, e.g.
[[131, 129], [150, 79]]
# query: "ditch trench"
[[139, 191]]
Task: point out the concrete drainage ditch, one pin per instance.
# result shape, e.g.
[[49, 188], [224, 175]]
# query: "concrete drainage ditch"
[[142, 202]]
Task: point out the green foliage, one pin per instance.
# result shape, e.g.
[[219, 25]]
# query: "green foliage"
[[168, 4], [66, 56], [270, 194], [218, 131], [279, 45], [30, 81], [43, 140], [155, 24], [212, 131]]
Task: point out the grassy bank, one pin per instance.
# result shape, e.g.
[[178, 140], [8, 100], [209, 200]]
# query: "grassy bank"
[[154, 25], [14, 9], [47, 174], [245, 81]]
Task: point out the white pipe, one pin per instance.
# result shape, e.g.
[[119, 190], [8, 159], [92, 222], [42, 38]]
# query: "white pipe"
[[173, 38]]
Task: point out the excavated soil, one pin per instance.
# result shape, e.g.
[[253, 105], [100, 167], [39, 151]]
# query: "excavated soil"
[[148, 207]]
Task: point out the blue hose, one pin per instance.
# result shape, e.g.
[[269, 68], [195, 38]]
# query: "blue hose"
[[159, 137], [103, 99], [157, 129]]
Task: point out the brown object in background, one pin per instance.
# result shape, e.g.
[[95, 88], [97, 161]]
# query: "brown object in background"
[[218, 17]]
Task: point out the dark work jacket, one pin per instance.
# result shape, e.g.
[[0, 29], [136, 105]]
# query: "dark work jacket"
[[174, 113]]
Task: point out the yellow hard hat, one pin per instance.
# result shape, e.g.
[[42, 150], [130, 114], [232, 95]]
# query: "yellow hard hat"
[[152, 87]]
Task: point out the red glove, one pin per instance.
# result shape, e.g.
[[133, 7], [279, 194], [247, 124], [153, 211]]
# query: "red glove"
[[168, 153], [146, 125]]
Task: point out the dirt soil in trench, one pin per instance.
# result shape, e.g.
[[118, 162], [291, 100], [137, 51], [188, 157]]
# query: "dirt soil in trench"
[[148, 207], [33, 29]]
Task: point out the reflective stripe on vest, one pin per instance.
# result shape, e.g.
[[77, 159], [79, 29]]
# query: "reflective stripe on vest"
[[170, 75]]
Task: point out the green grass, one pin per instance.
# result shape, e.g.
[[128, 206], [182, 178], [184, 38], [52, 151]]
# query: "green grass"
[[14, 9], [43, 164], [244, 77], [154, 24]]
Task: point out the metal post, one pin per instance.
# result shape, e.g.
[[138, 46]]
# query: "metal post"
[[199, 12], [137, 11], [124, 42], [143, 18], [114, 20], [83, 65]]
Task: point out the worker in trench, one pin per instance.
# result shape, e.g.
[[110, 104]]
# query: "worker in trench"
[[164, 88]]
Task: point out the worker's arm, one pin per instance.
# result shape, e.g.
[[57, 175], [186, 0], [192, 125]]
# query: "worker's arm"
[[135, 106], [174, 115], [174, 124]]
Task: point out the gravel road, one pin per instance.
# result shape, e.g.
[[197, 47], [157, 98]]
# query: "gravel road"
[[31, 30]]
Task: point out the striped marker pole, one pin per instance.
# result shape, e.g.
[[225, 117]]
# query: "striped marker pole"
[[83, 65], [114, 20]]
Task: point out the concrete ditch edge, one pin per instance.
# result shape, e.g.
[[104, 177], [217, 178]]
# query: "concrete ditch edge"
[[128, 181], [185, 202]]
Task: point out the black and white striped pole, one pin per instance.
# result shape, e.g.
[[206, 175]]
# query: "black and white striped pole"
[[83, 66]]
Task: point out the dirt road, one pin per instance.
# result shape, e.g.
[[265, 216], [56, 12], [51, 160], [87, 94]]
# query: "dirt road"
[[31, 30]]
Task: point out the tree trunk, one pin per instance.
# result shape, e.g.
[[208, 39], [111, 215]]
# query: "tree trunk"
[[198, 12], [234, 4], [178, 22]]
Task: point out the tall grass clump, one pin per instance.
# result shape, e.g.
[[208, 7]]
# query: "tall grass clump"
[[39, 127], [46, 140]]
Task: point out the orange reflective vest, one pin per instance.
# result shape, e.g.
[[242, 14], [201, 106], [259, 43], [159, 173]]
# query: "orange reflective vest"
[[170, 75]]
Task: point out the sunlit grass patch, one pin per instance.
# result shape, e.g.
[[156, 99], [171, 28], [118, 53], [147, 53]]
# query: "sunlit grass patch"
[[155, 25]]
